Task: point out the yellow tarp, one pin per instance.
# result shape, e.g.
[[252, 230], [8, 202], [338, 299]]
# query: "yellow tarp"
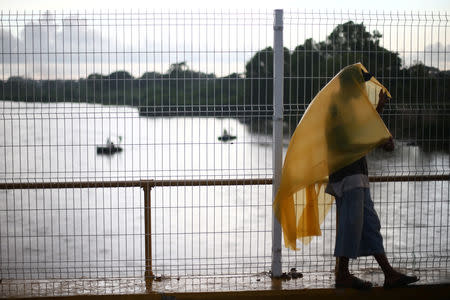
[[339, 127]]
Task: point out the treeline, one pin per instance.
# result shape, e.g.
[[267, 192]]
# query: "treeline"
[[419, 112], [177, 91]]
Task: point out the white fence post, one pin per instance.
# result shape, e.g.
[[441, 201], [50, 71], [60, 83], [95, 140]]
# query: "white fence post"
[[277, 148]]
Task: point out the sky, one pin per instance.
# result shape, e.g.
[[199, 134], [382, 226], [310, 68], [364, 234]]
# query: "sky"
[[386, 5], [227, 47]]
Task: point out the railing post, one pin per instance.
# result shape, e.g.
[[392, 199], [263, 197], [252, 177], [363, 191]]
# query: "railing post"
[[148, 236], [277, 148]]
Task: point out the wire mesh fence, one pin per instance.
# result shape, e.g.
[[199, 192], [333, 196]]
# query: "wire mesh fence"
[[113, 97], [408, 53]]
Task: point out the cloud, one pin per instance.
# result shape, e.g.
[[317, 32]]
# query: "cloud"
[[435, 55], [75, 45], [70, 45]]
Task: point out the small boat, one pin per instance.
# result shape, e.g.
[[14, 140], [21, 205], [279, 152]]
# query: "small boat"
[[225, 137], [110, 148]]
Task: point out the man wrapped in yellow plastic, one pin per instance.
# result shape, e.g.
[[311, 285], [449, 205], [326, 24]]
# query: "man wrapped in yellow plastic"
[[340, 126]]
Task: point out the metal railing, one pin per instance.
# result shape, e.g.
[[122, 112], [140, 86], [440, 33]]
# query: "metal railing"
[[147, 185], [169, 83]]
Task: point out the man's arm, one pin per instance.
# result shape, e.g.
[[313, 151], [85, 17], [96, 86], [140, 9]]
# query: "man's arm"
[[383, 98]]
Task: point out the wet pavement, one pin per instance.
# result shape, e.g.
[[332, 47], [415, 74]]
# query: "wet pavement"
[[220, 284]]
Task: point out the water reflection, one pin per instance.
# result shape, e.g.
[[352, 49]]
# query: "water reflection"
[[97, 233]]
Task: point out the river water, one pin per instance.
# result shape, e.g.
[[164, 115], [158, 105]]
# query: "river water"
[[222, 230]]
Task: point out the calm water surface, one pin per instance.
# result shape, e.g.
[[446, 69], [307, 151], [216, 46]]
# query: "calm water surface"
[[95, 233]]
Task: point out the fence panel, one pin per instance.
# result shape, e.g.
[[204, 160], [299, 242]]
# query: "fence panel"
[[409, 53], [172, 90], [121, 96]]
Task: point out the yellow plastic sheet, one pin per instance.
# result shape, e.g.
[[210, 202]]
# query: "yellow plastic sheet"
[[340, 126]]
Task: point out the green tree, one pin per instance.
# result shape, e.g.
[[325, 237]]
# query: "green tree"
[[259, 80]]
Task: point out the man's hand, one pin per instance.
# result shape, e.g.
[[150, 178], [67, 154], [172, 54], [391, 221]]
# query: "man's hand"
[[389, 145], [382, 99]]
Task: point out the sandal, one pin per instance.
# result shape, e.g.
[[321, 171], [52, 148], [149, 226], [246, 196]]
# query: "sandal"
[[401, 281], [354, 283]]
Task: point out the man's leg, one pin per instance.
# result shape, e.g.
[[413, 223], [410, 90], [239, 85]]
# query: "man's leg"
[[342, 271], [386, 267], [372, 242], [393, 278], [346, 280]]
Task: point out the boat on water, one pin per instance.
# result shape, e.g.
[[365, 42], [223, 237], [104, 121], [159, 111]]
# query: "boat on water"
[[225, 137], [109, 148]]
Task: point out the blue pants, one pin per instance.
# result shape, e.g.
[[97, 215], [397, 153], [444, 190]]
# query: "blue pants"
[[358, 230]]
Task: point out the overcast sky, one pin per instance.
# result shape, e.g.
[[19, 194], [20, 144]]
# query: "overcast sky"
[[385, 5], [217, 47]]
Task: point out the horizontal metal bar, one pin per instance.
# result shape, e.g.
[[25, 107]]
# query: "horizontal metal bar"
[[433, 177], [132, 183], [68, 185], [209, 182], [192, 182]]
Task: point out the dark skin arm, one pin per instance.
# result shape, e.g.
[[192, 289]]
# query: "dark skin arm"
[[383, 98]]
